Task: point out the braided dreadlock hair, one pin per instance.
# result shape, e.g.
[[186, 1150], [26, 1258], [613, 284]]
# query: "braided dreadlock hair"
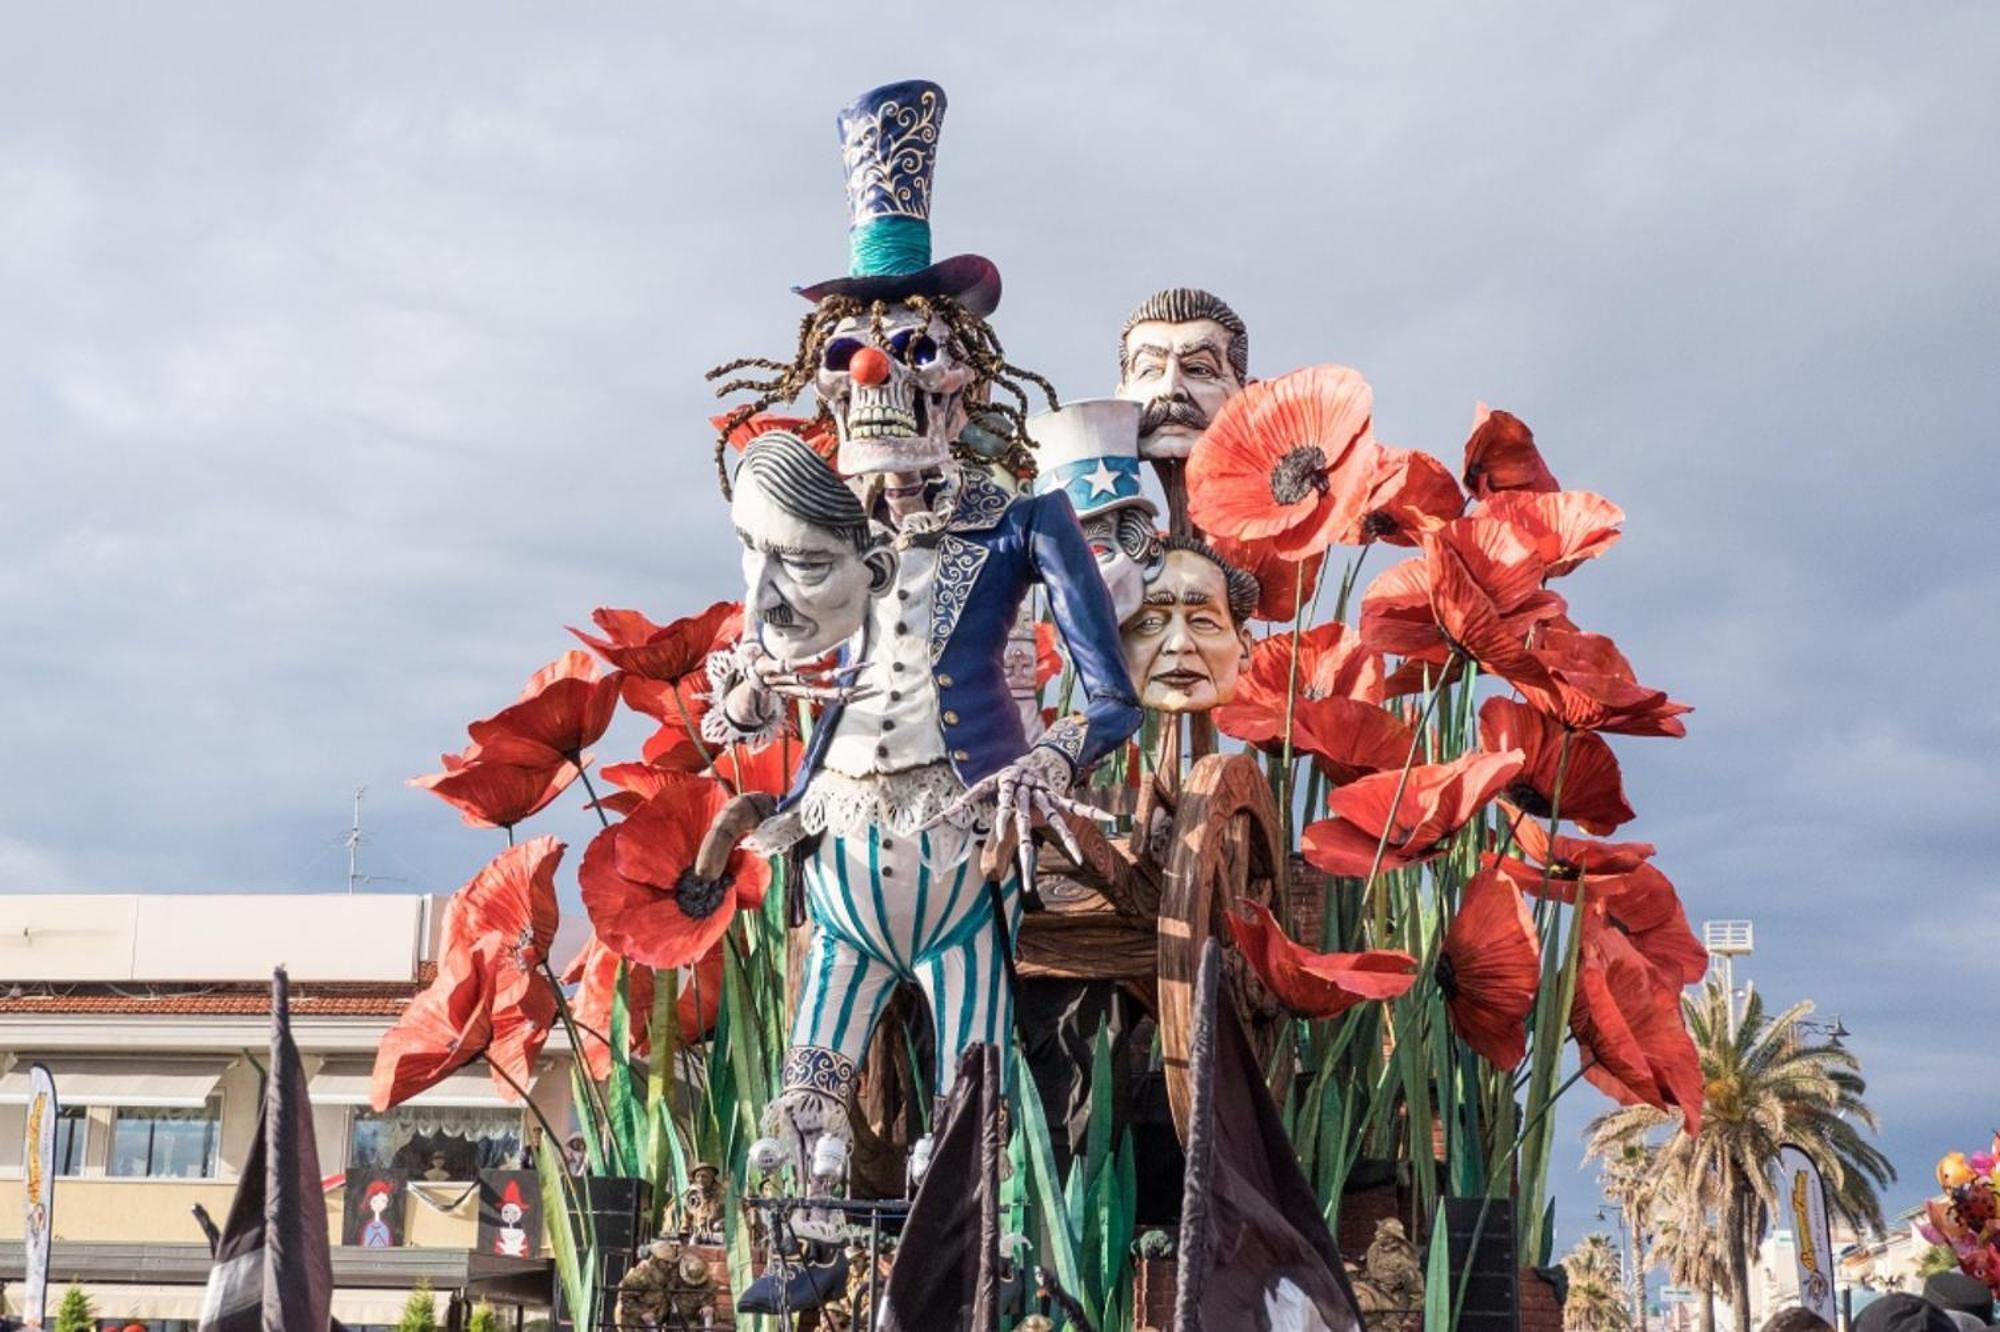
[[972, 341]]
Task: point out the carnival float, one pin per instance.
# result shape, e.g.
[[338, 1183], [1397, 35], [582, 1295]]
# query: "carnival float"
[[1062, 899]]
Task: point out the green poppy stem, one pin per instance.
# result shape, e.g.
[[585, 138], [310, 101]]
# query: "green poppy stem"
[[589, 790], [1380, 901], [1291, 700], [693, 731], [597, 1105]]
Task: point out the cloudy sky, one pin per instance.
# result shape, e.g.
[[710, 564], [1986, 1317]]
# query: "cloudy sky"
[[346, 358]]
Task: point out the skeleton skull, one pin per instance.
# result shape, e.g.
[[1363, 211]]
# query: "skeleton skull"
[[896, 392]]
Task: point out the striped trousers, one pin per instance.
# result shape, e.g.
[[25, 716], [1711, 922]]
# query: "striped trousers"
[[888, 908]]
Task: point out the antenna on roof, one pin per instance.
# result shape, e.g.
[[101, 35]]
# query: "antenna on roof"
[[353, 842]]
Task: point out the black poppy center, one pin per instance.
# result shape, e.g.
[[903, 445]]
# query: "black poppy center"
[[1525, 797], [697, 897], [1299, 472], [1566, 870], [1379, 525], [1447, 976]]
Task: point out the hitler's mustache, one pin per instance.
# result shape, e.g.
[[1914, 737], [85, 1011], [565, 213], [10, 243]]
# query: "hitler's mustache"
[[1172, 409], [779, 615]]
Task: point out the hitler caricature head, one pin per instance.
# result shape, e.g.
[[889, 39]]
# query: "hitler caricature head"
[[1189, 642], [1182, 355], [811, 562]]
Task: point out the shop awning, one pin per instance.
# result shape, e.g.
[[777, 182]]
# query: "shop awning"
[[346, 1082], [174, 1082]]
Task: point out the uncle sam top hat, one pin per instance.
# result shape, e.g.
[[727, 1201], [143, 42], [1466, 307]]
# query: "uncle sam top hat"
[[1089, 450], [888, 146]]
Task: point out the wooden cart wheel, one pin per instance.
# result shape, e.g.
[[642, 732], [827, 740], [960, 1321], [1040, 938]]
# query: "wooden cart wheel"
[[1225, 850]]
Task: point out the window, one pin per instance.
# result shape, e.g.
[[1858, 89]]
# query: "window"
[[72, 1130], [436, 1143], [166, 1144]]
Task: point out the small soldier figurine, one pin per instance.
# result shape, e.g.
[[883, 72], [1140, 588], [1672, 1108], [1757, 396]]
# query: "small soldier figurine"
[[671, 1287], [701, 1205]]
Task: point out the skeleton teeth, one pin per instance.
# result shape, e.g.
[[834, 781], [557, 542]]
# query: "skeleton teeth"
[[877, 422]]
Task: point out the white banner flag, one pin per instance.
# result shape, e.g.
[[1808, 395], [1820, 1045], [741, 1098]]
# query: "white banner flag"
[[1802, 1201], [38, 1160]]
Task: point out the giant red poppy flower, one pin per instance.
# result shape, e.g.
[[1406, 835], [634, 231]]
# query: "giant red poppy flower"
[[636, 645], [1316, 985], [1565, 527], [1349, 739], [490, 995], [1628, 1027], [510, 910], [1486, 595], [566, 707], [639, 883], [594, 971], [495, 795], [817, 432], [1619, 879], [1593, 793], [1501, 455], [1489, 968], [1411, 493], [1566, 863], [1396, 621], [1332, 663], [445, 1027], [1280, 587], [1287, 460], [1438, 800], [1588, 685]]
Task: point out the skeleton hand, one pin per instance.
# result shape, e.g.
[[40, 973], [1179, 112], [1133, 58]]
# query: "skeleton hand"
[[810, 684], [1030, 787]]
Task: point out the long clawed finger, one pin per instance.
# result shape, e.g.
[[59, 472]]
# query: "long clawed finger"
[[979, 790], [1052, 812], [1082, 809], [826, 693], [1024, 839]]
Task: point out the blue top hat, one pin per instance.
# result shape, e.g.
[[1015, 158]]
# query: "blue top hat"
[[888, 145]]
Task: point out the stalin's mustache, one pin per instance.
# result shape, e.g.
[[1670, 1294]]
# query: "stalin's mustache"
[[1175, 408]]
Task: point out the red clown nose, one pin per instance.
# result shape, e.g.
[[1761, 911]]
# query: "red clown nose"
[[870, 366]]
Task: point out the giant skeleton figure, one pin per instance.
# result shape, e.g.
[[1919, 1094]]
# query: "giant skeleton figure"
[[911, 818]]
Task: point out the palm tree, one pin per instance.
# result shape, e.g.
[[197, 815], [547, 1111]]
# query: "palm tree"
[[1686, 1243], [1595, 1302], [1630, 1179], [1768, 1081]]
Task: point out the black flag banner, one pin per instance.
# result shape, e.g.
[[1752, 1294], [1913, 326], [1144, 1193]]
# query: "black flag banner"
[[273, 1271], [947, 1270], [1255, 1252]]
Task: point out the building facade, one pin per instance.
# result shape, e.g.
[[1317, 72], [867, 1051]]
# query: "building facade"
[[153, 1014]]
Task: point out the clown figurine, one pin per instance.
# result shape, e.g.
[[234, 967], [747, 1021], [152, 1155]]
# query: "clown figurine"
[[910, 821]]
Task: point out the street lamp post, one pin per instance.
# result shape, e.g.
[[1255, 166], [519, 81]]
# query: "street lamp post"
[[1727, 940]]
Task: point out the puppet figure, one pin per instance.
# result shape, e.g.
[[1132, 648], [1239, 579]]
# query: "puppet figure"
[[1191, 639], [911, 817]]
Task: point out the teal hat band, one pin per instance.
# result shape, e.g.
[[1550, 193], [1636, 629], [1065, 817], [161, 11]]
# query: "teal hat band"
[[889, 247]]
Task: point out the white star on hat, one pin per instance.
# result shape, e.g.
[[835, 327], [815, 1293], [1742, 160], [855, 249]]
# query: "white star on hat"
[[1103, 481]]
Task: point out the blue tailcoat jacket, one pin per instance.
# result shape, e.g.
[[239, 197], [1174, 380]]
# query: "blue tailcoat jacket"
[[995, 547]]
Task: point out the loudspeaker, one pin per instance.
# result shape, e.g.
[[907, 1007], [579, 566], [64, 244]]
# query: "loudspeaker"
[[1492, 1290], [619, 1209]]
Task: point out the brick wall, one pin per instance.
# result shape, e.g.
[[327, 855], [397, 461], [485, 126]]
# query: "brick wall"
[[1541, 1311]]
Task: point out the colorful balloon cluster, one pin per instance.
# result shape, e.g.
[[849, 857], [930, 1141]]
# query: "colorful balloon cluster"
[[1967, 1218]]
